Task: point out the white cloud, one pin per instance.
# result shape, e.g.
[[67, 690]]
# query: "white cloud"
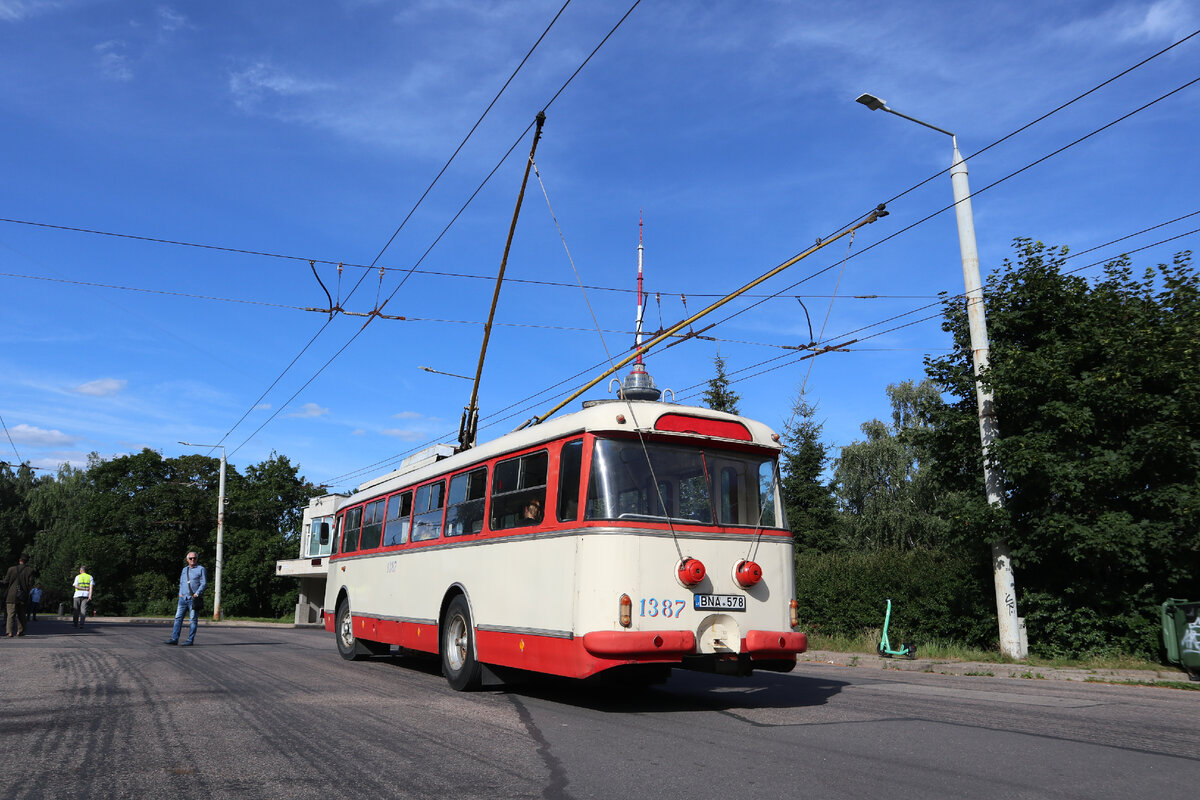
[[309, 410], [262, 82], [17, 10], [1160, 21], [101, 388], [171, 20], [114, 63], [39, 437], [407, 415], [358, 432], [263, 407], [406, 435]]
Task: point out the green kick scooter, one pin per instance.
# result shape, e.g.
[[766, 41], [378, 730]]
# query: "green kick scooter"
[[908, 651]]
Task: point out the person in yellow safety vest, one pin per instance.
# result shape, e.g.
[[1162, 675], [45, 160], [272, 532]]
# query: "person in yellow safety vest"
[[83, 586]]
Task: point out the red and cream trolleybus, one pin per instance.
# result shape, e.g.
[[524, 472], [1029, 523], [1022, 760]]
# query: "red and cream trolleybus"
[[628, 533]]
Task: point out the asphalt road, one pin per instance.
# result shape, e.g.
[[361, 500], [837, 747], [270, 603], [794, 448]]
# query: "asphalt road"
[[109, 712]]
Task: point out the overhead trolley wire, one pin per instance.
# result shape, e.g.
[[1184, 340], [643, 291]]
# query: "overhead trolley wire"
[[386, 246], [523, 405], [561, 89], [529, 401], [1048, 114]]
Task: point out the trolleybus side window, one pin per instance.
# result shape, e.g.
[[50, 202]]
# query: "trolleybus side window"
[[767, 486], [372, 529], [350, 526], [427, 511], [399, 510], [570, 464], [517, 485], [464, 509]]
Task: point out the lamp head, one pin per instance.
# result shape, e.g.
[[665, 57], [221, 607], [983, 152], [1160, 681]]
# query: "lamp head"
[[871, 101]]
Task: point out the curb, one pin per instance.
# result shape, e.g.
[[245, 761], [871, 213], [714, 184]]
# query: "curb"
[[992, 669]]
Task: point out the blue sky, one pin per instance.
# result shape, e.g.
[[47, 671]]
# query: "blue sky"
[[272, 133]]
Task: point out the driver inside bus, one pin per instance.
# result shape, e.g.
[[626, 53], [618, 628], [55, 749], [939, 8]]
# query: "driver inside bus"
[[532, 514]]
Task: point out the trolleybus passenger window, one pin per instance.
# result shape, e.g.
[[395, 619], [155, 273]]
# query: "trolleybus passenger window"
[[399, 509], [464, 510], [570, 463], [518, 490], [372, 529], [427, 511], [350, 529]]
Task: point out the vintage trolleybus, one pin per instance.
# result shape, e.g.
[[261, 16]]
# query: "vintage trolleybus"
[[631, 534]]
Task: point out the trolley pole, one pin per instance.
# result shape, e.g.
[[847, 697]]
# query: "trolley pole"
[[1012, 644]]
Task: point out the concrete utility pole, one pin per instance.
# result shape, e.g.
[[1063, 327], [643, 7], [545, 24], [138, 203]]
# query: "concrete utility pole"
[[1011, 627], [220, 531]]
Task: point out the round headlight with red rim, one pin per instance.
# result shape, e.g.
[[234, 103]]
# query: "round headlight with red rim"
[[691, 571], [747, 573]]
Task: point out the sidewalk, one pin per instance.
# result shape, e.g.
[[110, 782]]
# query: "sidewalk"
[[992, 669], [228, 623]]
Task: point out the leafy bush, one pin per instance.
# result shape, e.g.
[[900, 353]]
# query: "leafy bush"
[[934, 594]]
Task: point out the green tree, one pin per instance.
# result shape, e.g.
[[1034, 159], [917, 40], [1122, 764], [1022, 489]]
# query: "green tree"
[[17, 527], [807, 497], [59, 507], [888, 499], [1099, 443], [264, 516], [718, 396]]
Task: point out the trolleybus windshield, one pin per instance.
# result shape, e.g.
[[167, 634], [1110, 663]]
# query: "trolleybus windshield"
[[654, 482]]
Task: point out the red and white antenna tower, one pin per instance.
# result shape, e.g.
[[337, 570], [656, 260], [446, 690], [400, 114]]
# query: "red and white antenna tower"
[[638, 384]]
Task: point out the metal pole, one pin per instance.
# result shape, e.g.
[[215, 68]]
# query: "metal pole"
[[220, 542], [1002, 571], [220, 531], [1011, 642]]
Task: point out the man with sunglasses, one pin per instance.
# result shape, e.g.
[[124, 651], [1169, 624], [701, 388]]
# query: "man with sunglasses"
[[192, 581]]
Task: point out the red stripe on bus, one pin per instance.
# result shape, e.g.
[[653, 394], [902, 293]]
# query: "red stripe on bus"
[[639, 644], [702, 426]]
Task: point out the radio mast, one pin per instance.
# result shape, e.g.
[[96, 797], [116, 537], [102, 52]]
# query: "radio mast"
[[638, 384]]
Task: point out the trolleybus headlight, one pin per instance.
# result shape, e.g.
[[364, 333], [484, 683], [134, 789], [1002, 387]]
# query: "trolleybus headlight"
[[747, 573], [691, 571], [625, 611], [794, 613]]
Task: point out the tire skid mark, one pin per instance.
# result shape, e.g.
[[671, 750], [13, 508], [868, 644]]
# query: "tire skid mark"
[[556, 789]]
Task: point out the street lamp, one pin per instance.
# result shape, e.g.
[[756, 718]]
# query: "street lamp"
[[220, 531], [1012, 643], [451, 374]]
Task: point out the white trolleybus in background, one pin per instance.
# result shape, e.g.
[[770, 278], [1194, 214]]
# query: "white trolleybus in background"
[[631, 534]]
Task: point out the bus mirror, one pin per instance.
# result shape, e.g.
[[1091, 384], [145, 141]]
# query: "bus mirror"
[[324, 533]]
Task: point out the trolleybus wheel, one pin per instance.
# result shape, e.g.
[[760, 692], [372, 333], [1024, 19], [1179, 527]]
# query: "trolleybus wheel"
[[350, 648], [459, 666]]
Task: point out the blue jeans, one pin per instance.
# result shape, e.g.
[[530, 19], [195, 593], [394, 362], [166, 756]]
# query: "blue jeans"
[[184, 607]]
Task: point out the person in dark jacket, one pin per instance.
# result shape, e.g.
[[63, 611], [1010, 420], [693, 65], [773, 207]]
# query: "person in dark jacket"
[[17, 581]]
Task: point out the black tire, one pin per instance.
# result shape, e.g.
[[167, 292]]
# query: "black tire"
[[457, 636], [343, 630]]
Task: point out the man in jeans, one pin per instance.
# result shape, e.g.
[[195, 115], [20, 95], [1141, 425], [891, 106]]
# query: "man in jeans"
[[192, 581]]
